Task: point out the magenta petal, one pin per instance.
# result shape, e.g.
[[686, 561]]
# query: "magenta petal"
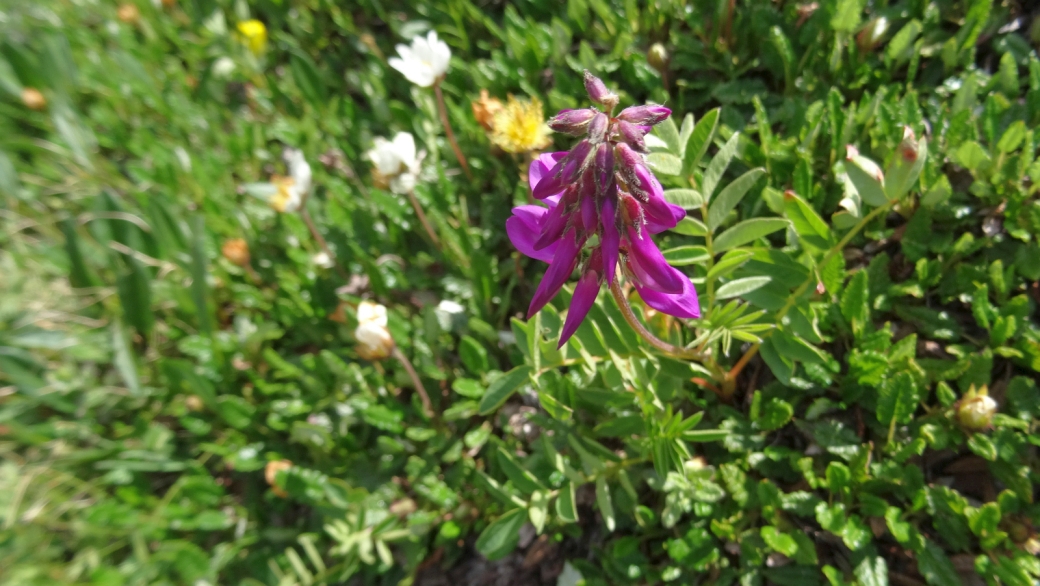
[[682, 305], [588, 213], [650, 266], [559, 271], [542, 166], [585, 293], [524, 228], [610, 240], [552, 227], [661, 215]]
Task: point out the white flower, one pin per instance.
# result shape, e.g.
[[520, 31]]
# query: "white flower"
[[223, 67], [373, 338], [396, 162], [450, 307], [299, 170], [424, 62], [323, 260], [368, 312]]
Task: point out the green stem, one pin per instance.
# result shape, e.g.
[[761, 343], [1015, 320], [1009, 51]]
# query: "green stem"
[[709, 283], [836, 249], [443, 111], [630, 317]]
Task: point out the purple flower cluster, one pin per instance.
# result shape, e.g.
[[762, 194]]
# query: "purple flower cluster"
[[602, 196]]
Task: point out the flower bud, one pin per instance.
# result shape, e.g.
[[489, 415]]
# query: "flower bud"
[[647, 115], [633, 135], [866, 165], [33, 99], [657, 57], [976, 409], [598, 91], [598, 128], [572, 122], [236, 251], [271, 474], [373, 338]]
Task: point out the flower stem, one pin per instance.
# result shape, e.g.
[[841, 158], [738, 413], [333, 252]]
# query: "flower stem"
[[630, 317], [443, 111], [321, 240], [422, 218], [419, 388]]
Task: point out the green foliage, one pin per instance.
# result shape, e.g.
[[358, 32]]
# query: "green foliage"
[[863, 219]]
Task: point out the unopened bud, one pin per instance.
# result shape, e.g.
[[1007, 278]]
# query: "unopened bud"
[[236, 251], [633, 135], [33, 99], [598, 91], [657, 57], [871, 34], [572, 122], [647, 115], [271, 474], [373, 338], [598, 128], [976, 409], [128, 13]]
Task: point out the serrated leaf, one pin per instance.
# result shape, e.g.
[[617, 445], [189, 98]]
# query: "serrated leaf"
[[739, 287], [718, 165], [897, 399], [730, 196], [503, 387], [748, 231]]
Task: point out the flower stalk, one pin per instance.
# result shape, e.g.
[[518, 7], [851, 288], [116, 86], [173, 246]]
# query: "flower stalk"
[[416, 382], [430, 232], [443, 111], [626, 310]]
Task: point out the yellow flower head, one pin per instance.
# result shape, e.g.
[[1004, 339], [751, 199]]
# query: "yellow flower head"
[[520, 126], [254, 35]]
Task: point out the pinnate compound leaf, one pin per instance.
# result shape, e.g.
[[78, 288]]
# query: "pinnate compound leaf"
[[730, 196]]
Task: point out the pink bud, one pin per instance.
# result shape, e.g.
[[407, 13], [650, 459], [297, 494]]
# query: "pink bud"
[[649, 114], [598, 128], [572, 122], [598, 91], [633, 135]]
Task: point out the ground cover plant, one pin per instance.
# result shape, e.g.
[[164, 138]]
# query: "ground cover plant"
[[275, 307]]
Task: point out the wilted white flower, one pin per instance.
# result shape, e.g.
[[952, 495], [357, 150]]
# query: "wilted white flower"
[[373, 338], [424, 62], [323, 260], [396, 162]]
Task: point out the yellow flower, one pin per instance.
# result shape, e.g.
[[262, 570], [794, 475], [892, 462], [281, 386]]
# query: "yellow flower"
[[288, 197], [520, 127], [254, 34]]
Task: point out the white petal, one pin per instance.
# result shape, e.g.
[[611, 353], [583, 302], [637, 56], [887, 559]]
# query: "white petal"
[[404, 147]]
